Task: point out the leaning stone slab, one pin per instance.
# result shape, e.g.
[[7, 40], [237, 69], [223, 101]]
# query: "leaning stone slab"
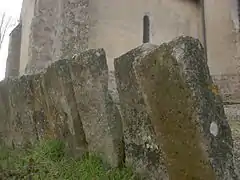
[[56, 113], [141, 149], [183, 107], [99, 115]]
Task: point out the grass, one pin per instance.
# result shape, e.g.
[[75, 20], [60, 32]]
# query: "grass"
[[48, 160]]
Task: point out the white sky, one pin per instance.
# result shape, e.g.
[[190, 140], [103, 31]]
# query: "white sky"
[[12, 8]]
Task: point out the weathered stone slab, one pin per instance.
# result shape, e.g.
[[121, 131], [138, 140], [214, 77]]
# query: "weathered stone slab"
[[19, 124], [178, 96], [100, 117], [141, 149], [55, 107]]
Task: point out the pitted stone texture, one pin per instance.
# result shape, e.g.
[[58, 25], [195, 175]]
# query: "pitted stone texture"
[[14, 47], [100, 117], [17, 99], [235, 127], [141, 149], [43, 34], [178, 96], [75, 27], [59, 29], [56, 114], [228, 85]]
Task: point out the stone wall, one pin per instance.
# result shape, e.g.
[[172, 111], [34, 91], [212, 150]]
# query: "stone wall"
[[71, 26], [222, 37], [52, 29], [14, 48], [43, 34], [229, 86]]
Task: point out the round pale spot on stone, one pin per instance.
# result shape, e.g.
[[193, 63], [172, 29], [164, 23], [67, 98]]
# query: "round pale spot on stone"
[[98, 54], [214, 128]]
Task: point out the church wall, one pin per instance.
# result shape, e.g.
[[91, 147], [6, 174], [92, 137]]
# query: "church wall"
[[54, 30], [117, 26], [222, 37], [27, 13], [13, 59]]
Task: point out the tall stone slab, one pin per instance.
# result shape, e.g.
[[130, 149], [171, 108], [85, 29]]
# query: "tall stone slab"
[[141, 148], [17, 101], [99, 115], [14, 48], [183, 107], [56, 114]]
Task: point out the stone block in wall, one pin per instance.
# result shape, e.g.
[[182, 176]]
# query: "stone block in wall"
[[169, 91], [229, 86], [233, 114], [14, 47]]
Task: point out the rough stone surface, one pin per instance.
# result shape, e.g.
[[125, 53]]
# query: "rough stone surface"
[[69, 100], [100, 117], [59, 29], [141, 149], [43, 34], [16, 101], [13, 59], [228, 85], [176, 93], [75, 27], [235, 126]]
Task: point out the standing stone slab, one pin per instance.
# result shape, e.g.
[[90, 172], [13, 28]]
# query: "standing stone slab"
[[20, 123], [41, 110], [55, 110], [4, 112], [186, 111], [62, 106], [141, 149], [100, 117], [75, 27]]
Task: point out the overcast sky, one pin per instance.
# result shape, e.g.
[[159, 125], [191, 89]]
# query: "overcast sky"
[[12, 8]]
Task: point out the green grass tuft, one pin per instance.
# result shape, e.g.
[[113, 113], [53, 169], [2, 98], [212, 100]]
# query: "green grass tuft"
[[48, 160]]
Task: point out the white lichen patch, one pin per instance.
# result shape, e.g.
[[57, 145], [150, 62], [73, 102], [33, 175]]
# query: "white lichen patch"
[[98, 54], [149, 143], [178, 51], [74, 56], [214, 129]]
